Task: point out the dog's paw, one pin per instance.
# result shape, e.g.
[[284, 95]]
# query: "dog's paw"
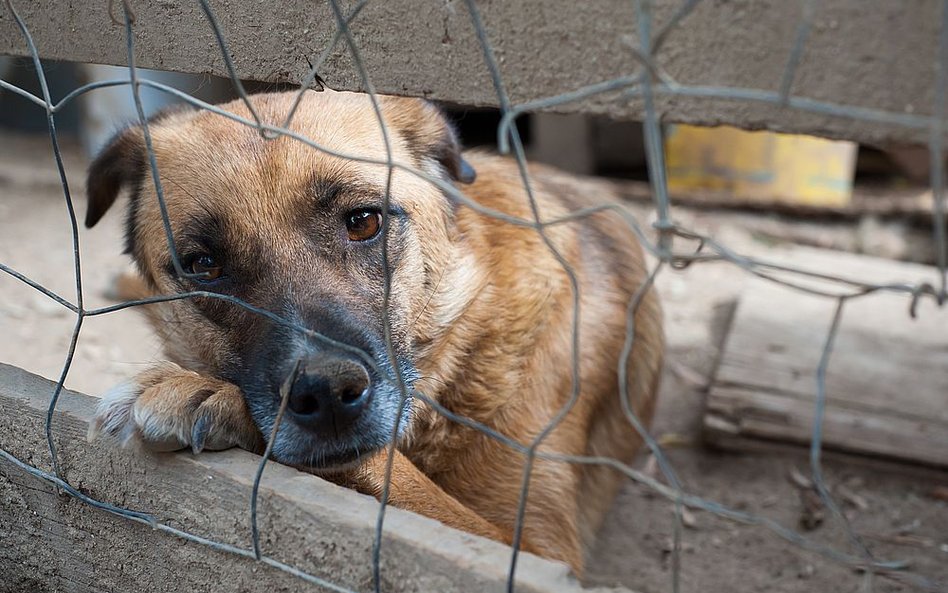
[[168, 408]]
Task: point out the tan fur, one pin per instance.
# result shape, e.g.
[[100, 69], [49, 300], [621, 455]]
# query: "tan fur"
[[491, 327]]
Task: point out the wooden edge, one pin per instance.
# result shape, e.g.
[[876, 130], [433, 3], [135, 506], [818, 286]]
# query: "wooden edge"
[[305, 521], [912, 204], [737, 444], [731, 421]]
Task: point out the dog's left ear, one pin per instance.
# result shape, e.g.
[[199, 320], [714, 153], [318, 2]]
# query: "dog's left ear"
[[120, 164], [429, 135]]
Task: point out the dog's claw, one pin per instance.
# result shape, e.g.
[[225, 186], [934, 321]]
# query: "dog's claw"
[[199, 432]]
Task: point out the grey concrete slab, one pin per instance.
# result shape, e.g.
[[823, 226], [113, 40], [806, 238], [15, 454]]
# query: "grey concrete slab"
[[871, 55]]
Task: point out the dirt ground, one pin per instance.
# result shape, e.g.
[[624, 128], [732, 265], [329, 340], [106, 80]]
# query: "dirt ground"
[[896, 510]]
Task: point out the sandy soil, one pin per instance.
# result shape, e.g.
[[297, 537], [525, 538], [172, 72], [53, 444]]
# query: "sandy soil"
[[896, 511]]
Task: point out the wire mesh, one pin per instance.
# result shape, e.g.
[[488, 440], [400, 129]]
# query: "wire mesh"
[[649, 81]]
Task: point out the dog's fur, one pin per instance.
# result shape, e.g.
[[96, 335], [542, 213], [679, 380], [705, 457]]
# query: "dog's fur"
[[481, 311]]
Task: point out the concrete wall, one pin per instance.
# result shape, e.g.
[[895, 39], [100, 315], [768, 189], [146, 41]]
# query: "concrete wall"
[[54, 542], [874, 54]]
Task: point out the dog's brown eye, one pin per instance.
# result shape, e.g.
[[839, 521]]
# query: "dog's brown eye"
[[363, 224], [207, 268]]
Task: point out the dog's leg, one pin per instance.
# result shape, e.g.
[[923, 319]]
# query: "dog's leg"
[[412, 490], [167, 408]]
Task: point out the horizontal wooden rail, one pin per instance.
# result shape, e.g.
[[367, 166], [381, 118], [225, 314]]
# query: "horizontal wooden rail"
[[52, 541]]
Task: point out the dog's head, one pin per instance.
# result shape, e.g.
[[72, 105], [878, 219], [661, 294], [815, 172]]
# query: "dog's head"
[[296, 232]]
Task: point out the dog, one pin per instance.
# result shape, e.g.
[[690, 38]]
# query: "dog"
[[478, 316]]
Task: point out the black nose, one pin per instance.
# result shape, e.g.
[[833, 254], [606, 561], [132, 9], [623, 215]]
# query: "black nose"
[[329, 394]]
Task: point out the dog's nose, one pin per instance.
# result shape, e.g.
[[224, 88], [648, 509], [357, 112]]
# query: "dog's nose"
[[329, 393]]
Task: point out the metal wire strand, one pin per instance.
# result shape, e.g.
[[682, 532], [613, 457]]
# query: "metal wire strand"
[[575, 379], [285, 388], [342, 25], [74, 228]]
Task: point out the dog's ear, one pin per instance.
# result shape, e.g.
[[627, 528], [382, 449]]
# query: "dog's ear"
[[429, 135], [445, 148], [448, 153], [120, 164]]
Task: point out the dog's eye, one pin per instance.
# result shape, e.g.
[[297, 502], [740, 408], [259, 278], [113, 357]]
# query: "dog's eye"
[[363, 224], [207, 268]]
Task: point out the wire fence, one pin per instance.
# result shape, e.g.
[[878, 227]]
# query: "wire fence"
[[645, 84]]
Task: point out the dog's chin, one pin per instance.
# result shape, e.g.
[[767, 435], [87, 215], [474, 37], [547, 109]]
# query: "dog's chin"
[[299, 448], [325, 463], [334, 469]]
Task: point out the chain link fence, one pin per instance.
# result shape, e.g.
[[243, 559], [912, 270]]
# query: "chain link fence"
[[675, 248]]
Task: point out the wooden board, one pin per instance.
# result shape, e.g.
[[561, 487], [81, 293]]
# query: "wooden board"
[[911, 203], [53, 542], [886, 384]]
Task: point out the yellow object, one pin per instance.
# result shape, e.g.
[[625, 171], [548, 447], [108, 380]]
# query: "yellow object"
[[763, 166]]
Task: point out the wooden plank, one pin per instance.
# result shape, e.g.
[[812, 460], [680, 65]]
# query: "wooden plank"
[[887, 381], [912, 203], [52, 542], [772, 416]]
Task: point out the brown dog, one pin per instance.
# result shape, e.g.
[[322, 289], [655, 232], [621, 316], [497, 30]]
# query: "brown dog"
[[480, 311]]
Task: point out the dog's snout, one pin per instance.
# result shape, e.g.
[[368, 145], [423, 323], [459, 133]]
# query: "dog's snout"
[[330, 392]]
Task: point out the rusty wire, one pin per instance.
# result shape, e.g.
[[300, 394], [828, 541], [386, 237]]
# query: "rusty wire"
[[646, 83]]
